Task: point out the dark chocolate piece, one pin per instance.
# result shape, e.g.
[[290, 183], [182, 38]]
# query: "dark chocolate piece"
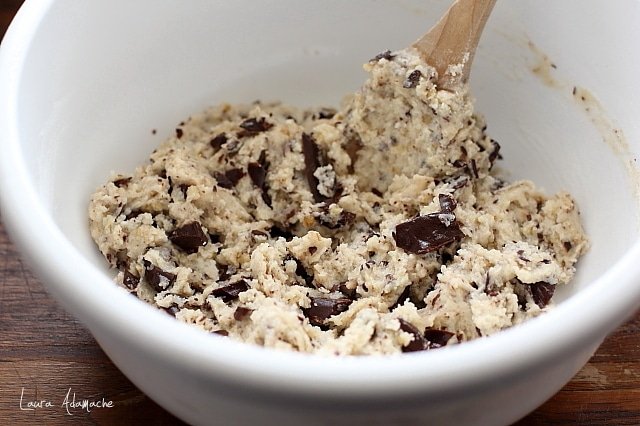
[[258, 174], [219, 140], [189, 237], [179, 133], [322, 308], [326, 113], [224, 333], [352, 147], [418, 343], [171, 310], [253, 126], [241, 313], [130, 281], [412, 80], [229, 179], [231, 291], [384, 55], [348, 292], [541, 292], [437, 338], [425, 234], [495, 154], [345, 218], [311, 163], [156, 276], [447, 203], [404, 296], [277, 232], [301, 271], [474, 168], [122, 182]]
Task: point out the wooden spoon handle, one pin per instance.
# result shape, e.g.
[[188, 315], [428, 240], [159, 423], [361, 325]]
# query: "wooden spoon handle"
[[454, 39]]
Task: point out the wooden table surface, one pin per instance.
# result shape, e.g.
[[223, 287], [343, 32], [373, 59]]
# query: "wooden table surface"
[[46, 354]]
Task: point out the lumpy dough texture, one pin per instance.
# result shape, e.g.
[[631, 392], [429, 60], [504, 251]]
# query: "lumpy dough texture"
[[377, 229]]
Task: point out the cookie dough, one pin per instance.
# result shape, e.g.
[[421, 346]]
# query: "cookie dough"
[[377, 229]]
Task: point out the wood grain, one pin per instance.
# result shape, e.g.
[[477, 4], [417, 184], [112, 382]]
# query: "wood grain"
[[44, 352]]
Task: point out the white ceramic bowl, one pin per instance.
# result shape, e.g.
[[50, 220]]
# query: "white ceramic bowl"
[[82, 84]]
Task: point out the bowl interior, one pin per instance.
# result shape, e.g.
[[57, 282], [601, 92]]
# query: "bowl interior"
[[92, 90]]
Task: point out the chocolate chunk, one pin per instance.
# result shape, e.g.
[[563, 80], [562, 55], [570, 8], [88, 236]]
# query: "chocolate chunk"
[[184, 188], [384, 55], [474, 168], [311, 163], [230, 292], [495, 154], [436, 338], [301, 271], [219, 140], [541, 292], [133, 214], [179, 133], [404, 296], [277, 232], [447, 203], [425, 234], [326, 113], [229, 179], [312, 250], [322, 308], [130, 281], [377, 192], [189, 237], [348, 292], [253, 126], [224, 333], [156, 276], [122, 182], [223, 272], [345, 218], [352, 147], [172, 310], [241, 313], [258, 174], [222, 180], [412, 80], [418, 343], [567, 245]]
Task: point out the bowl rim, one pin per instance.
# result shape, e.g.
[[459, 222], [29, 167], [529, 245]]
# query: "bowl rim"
[[462, 366]]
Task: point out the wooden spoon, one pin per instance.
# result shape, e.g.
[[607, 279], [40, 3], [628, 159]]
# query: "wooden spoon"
[[454, 39]]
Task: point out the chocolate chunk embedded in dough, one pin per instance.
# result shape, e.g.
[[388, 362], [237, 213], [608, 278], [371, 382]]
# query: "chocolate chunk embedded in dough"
[[425, 234], [229, 179], [384, 55], [231, 291], [219, 140], [122, 182], [412, 80], [158, 279], [322, 308], [418, 343], [541, 292], [437, 338], [311, 163], [241, 313], [447, 203], [253, 126], [189, 237], [130, 281], [258, 174]]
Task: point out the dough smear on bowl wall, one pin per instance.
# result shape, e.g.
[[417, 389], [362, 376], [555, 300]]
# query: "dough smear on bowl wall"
[[378, 228]]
